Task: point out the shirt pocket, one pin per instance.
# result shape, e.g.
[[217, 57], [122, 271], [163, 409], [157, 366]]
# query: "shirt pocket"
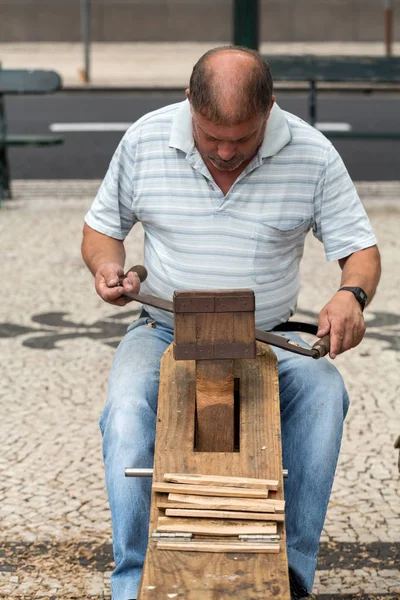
[[277, 251]]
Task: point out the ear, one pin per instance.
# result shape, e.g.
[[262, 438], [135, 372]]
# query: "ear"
[[187, 94], [270, 107]]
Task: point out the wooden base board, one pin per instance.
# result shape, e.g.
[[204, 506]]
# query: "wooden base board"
[[190, 575]]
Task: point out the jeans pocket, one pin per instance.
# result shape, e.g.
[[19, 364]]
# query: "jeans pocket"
[[142, 319]]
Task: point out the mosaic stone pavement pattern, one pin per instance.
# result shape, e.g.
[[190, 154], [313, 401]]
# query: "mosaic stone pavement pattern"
[[57, 339]]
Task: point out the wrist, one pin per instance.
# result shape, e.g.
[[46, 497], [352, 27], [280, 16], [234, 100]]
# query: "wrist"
[[357, 292]]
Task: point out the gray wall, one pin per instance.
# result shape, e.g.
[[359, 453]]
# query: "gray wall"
[[193, 20]]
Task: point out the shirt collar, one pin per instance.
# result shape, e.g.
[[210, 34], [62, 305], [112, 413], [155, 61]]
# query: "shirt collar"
[[277, 134], [181, 133]]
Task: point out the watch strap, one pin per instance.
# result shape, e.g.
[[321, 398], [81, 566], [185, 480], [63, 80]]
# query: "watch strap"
[[358, 292]]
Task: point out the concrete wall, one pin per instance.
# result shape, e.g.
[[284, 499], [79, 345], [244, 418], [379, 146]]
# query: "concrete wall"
[[193, 20]]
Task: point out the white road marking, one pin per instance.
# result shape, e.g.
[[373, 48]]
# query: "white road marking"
[[88, 127], [333, 126], [68, 127]]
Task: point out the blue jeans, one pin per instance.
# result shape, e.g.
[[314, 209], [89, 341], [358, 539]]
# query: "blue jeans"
[[313, 401]]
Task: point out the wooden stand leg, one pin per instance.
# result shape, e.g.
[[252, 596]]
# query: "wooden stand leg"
[[214, 406]]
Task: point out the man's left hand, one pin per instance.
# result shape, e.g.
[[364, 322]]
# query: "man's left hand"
[[343, 319]]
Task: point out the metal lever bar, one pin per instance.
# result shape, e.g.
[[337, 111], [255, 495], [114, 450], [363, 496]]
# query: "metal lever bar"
[[320, 348], [154, 301]]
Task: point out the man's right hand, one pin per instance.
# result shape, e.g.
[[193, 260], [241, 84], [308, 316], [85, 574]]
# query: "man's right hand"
[[111, 284]]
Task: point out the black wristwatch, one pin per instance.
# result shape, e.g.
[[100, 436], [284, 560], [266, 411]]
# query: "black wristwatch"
[[358, 292]]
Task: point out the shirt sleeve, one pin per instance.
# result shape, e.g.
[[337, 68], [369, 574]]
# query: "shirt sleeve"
[[340, 220], [111, 212]]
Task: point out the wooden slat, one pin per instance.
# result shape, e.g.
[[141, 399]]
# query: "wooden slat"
[[240, 547], [220, 480], [209, 490], [214, 527], [268, 516], [216, 502], [274, 516], [223, 514]]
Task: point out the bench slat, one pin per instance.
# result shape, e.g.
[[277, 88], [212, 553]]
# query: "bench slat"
[[363, 135], [30, 140], [23, 81], [377, 69]]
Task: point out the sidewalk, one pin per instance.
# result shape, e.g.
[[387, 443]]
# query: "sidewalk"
[[57, 340], [145, 65]]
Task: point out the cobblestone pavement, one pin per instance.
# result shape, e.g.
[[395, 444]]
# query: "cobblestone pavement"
[[57, 340]]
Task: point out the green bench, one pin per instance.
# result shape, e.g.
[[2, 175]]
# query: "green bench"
[[337, 69], [21, 81]]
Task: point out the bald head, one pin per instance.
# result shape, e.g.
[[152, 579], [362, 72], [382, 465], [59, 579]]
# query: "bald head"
[[230, 85]]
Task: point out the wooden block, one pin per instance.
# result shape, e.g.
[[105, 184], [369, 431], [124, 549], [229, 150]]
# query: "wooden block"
[[244, 327], [221, 480], [213, 328], [214, 405], [222, 514], [208, 490], [185, 328], [218, 502], [214, 527], [239, 547]]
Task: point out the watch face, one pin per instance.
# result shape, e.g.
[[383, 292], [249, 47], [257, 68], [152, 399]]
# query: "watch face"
[[360, 295]]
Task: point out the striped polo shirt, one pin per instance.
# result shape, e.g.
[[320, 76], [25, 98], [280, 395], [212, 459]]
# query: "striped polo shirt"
[[196, 238]]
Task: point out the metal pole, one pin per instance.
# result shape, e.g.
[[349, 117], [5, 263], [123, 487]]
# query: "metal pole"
[[312, 102], [5, 186], [131, 472], [388, 27], [85, 30], [246, 23]]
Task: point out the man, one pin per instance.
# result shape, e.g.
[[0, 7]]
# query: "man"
[[226, 186]]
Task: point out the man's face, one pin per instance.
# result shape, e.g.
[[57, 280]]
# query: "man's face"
[[227, 147]]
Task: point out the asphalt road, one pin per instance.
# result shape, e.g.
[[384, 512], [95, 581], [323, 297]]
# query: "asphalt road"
[[86, 155]]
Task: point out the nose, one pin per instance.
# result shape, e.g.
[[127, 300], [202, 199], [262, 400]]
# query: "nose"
[[226, 150]]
